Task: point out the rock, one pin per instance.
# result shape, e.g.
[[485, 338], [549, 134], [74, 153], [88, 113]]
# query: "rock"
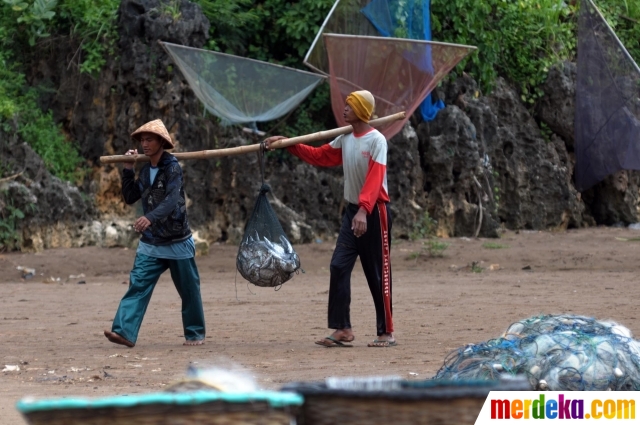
[[405, 182], [616, 197], [557, 106], [451, 158], [110, 237], [41, 199], [533, 182], [202, 245], [481, 154], [119, 233]]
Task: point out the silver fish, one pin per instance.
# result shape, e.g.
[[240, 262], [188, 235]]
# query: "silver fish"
[[265, 263]]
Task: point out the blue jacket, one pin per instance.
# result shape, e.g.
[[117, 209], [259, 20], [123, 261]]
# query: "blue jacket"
[[163, 203]]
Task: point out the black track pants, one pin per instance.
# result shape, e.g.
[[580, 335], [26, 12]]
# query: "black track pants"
[[373, 248]]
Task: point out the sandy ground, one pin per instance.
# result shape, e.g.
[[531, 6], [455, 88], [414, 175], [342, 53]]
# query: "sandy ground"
[[53, 331]]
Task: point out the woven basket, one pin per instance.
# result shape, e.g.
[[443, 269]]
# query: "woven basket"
[[201, 408], [404, 403]]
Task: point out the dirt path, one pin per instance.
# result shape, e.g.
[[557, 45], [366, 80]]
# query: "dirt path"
[[53, 331]]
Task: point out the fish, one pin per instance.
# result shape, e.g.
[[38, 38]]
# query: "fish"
[[267, 263]]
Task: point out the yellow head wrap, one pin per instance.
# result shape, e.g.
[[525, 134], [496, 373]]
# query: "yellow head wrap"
[[362, 103]]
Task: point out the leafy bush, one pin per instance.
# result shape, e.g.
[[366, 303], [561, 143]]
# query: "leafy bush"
[[624, 18], [424, 228], [9, 218], [34, 17], [37, 128], [520, 39], [516, 39], [94, 24], [436, 248]]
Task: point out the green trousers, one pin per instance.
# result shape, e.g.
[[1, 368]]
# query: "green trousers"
[[144, 276]]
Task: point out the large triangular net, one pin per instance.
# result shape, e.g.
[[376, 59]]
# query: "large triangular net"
[[398, 72], [607, 120], [346, 49], [345, 17], [241, 90], [405, 19]]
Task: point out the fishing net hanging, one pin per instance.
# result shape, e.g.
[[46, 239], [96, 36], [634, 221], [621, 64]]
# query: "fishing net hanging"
[[398, 72], [265, 256], [345, 17], [405, 19], [607, 117], [241, 90], [557, 353]]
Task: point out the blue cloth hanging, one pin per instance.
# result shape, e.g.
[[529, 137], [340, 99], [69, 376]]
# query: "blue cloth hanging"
[[402, 19]]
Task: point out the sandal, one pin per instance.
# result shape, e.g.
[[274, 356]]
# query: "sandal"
[[382, 343], [333, 342]]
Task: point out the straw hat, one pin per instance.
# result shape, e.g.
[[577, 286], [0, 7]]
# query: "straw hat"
[[155, 127]]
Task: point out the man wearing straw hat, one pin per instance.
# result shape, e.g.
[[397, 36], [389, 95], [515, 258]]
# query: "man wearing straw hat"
[[165, 243], [366, 223]]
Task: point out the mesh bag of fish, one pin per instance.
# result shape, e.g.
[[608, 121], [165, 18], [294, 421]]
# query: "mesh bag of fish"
[[266, 257]]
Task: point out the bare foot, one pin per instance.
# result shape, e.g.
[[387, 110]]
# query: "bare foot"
[[118, 339], [194, 342], [344, 335], [337, 337]]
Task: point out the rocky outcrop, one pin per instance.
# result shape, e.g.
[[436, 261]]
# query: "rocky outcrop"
[[481, 165], [31, 199], [452, 161], [615, 199], [489, 151]]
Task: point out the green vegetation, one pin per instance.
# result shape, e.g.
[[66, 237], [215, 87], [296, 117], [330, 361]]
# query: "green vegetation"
[[494, 245], [476, 268], [9, 217], [9, 237], [89, 23], [92, 24], [277, 31], [435, 247], [521, 39], [426, 228]]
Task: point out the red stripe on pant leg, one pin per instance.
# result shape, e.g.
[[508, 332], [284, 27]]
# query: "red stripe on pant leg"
[[386, 266]]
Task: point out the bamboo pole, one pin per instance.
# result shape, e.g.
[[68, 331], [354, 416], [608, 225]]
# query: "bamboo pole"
[[239, 150]]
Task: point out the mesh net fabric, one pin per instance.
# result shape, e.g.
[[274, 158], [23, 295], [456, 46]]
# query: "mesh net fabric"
[[398, 72], [255, 262], [265, 256], [263, 221], [558, 353], [240, 90], [343, 18], [405, 19], [607, 117]]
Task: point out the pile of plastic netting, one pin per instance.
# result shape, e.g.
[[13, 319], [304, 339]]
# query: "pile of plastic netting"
[[557, 353]]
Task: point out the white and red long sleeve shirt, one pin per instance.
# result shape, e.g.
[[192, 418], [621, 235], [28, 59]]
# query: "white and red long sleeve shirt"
[[364, 160]]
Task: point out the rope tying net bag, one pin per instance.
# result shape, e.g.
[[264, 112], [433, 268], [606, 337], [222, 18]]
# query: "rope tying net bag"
[[607, 118], [241, 90]]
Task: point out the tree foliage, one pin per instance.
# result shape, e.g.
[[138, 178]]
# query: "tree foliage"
[[520, 39]]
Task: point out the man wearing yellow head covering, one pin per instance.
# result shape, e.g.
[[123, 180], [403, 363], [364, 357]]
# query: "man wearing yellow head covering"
[[366, 223], [362, 104]]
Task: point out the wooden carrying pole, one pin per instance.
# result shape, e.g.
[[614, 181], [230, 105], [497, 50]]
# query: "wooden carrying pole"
[[216, 153]]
